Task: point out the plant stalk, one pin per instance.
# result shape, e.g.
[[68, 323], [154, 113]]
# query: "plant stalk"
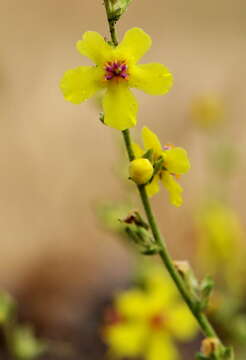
[[164, 254], [201, 318]]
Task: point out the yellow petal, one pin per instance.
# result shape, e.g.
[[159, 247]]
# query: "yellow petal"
[[138, 152], [175, 190], [161, 347], [126, 339], [135, 44], [181, 322], [120, 107], [176, 160], [132, 304], [154, 78], [94, 47], [81, 83], [153, 187], [151, 141], [139, 306], [160, 285]]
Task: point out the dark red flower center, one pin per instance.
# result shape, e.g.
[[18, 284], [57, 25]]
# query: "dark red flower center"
[[116, 70], [157, 322]]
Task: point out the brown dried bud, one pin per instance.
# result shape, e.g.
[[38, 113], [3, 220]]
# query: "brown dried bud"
[[183, 267], [210, 346]]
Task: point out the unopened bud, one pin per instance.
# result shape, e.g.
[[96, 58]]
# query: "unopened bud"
[[141, 171], [185, 271], [183, 267], [210, 346], [135, 218]]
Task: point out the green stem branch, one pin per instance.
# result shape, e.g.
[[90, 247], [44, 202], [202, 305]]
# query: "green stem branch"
[[164, 254]]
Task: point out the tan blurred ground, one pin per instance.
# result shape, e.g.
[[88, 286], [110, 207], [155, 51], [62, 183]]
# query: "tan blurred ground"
[[56, 158]]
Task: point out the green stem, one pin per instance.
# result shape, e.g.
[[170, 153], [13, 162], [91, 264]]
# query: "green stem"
[[201, 318], [164, 254], [111, 22]]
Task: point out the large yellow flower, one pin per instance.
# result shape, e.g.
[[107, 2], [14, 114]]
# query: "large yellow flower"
[[116, 71], [145, 322], [175, 163]]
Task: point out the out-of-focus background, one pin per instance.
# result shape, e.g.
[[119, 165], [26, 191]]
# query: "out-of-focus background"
[[57, 160]]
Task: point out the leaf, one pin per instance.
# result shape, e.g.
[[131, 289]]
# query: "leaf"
[[206, 289], [200, 356]]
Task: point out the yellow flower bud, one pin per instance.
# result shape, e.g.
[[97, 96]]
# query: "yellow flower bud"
[[141, 171]]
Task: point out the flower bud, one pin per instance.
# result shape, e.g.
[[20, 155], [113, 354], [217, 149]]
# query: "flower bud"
[[183, 267], [141, 171], [210, 346]]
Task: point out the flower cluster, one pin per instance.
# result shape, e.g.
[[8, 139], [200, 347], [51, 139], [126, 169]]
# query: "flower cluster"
[[144, 322], [116, 71], [170, 162]]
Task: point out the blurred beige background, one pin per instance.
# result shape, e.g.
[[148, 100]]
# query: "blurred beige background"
[[56, 158]]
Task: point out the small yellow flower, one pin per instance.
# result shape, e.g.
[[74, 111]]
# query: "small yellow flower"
[[145, 322], [141, 171], [116, 71], [221, 243], [208, 111], [175, 163]]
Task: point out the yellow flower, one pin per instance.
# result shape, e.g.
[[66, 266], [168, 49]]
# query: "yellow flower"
[[146, 321], [116, 71], [208, 111], [221, 243], [175, 163], [141, 171]]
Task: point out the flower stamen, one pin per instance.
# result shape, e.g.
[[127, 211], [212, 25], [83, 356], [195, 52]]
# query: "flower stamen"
[[116, 70], [158, 321]]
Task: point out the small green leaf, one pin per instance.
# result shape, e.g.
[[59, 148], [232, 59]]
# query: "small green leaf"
[[151, 250], [206, 289], [200, 356], [229, 353], [158, 165], [148, 155]]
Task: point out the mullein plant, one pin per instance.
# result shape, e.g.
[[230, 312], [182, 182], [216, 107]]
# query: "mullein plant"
[[116, 70]]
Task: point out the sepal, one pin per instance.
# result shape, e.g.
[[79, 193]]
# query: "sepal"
[[206, 288], [138, 233]]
